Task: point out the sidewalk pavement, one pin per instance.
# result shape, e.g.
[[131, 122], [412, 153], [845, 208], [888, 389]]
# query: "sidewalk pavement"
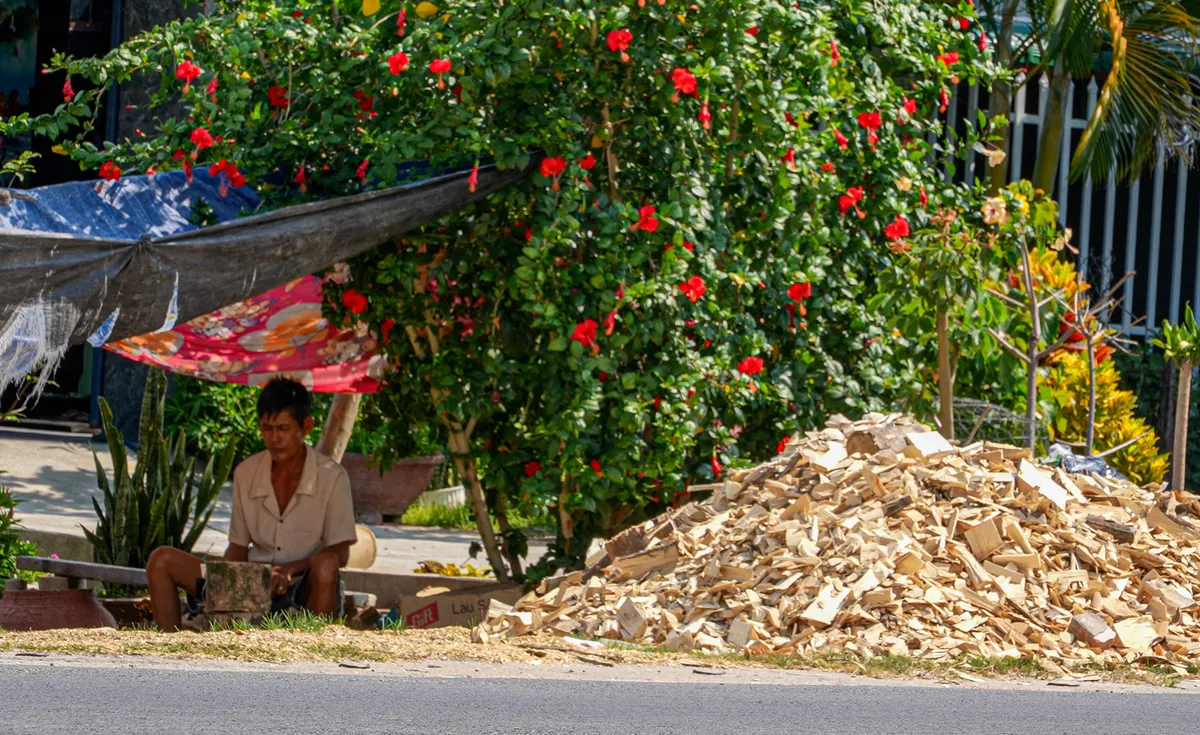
[[54, 477]]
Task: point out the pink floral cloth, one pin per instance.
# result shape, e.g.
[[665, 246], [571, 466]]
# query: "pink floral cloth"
[[279, 333]]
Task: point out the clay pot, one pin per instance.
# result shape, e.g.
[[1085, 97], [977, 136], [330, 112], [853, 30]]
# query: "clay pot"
[[390, 493], [37, 610]]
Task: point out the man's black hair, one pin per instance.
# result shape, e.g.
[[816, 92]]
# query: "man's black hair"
[[285, 394]]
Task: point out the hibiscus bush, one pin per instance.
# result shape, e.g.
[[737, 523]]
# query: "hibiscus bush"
[[682, 279]]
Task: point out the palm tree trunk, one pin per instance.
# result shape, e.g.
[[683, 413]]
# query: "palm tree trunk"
[[1182, 402], [1001, 99], [945, 374], [1050, 144]]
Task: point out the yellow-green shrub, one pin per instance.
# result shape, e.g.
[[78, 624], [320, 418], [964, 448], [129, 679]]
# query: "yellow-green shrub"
[[1116, 422]]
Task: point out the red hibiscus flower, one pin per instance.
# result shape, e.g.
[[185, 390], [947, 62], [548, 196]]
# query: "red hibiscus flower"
[[552, 168], [791, 120], [212, 89], [716, 466], [187, 71], [705, 116], [385, 328], [532, 468], [588, 162], [693, 288], [753, 31], [365, 103], [870, 120], [401, 21], [202, 138], [473, 179], [949, 58], [842, 140], [354, 301], [610, 322], [924, 197], [834, 56], [361, 173], [397, 63], [983, 40], [585, 333], [910, 106], [619, 40], [789, 158], [68, 91], [595, 465], [782, 444], [750, 366], [964, 23], [187, 169], [440, 67], [277, 96], [943, 100], [828, 167], [110, 171], [647, 222], [685, 82], [799, 291], [301, 179], [898, 229]]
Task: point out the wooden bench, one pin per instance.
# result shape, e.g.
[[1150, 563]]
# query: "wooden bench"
[[74, 572]]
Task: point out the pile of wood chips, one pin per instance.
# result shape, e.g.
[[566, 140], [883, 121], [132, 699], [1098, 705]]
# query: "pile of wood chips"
[[879, 537]]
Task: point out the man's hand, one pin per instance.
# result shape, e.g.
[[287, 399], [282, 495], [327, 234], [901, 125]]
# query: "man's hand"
[[281, 577]]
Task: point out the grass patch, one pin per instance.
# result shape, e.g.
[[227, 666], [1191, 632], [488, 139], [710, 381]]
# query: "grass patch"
[[461, 518], [394, 625], [1007, 666]]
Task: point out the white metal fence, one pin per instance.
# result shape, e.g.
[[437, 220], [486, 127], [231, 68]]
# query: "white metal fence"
[[1116, 228]]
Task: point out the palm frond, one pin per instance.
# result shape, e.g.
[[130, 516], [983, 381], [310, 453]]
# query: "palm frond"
[[1147, 100]]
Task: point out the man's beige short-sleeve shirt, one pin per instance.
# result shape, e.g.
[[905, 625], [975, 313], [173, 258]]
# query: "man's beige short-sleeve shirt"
[[319, 515]]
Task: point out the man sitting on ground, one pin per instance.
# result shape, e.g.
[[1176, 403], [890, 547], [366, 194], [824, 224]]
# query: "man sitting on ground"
[[291, 509]]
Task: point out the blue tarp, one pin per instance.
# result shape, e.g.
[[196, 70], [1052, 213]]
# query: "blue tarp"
[[83, 264], [158, 206]]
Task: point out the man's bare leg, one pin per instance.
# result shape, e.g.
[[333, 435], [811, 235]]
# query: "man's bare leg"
[[323, 583], [170, 570]]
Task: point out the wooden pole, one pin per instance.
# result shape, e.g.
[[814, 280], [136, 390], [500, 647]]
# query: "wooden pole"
[[1035, 338], [1182, 401], [339, 425], [945, 374]]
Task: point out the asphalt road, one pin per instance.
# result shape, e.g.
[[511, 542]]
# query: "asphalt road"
[[38, 698]]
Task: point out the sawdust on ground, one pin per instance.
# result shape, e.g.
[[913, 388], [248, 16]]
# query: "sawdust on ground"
[[336, 643], [332, 643]]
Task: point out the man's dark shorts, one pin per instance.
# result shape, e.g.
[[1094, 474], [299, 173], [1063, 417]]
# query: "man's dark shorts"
[[294, 599]]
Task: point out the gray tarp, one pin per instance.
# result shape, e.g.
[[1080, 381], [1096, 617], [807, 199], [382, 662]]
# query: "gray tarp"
[[61, 289]]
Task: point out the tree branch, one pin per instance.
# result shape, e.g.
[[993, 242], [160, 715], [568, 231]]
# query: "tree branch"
[[1122, 445], [1008, 346]]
